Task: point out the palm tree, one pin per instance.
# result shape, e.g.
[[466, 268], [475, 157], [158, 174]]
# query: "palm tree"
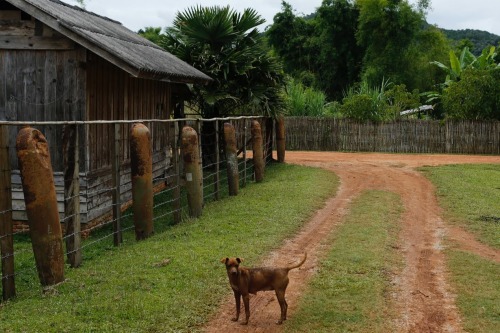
[[226, 45]]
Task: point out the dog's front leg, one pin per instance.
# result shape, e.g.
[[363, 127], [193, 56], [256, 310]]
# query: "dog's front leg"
[[237, 298], [246, 302]]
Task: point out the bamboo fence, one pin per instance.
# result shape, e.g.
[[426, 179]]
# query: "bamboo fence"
[[402, 136]]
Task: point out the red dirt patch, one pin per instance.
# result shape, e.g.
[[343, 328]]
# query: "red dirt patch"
[[425, 300]]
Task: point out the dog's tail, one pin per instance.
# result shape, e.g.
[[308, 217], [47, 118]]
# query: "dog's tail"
[[298, 264]]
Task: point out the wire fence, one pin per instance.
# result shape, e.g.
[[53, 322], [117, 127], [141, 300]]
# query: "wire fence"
[[92, 177]]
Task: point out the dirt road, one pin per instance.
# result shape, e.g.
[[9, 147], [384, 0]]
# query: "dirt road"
[[425, 300]]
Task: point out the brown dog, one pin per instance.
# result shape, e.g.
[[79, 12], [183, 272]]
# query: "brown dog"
[[245, 281]]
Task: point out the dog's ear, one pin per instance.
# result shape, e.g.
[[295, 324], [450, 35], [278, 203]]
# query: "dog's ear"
[[239, 260], [224, 260]]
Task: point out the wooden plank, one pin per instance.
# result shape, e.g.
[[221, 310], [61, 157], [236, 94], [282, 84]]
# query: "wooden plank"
[[3, 97], [49, 97], [176, 205], [72, 195], [16, 27], [117, 232], [10, 15], [35, 43], [6, 228]]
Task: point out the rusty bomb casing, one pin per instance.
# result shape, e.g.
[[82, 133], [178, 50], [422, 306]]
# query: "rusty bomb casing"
[[192, 171], [141, 165], [41, 205]]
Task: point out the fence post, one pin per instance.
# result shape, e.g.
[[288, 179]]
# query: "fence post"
[[200, 150], [258, 153], [176, 203], [244, 153], [268, 156], [141, 165], [191, 157], [72, 195], [115, 170], [217, 161], [41, 205], [231, 159], [280, 139], [6, 229]]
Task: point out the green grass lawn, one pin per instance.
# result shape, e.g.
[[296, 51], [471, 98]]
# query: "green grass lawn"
[[173, 281], [477, 285], [470, 196], [350, 293]]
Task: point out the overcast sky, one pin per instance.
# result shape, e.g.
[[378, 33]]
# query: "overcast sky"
[[448, 14]]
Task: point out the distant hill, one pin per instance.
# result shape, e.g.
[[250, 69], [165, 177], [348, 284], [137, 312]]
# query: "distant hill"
[[479, 38]]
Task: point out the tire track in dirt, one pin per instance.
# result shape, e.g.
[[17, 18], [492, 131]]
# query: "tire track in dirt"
[[423, 297]]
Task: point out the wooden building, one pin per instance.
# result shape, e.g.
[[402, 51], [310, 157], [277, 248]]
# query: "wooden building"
[[61, 63]]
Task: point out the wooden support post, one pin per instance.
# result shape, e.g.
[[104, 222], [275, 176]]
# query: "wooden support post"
[[72, 195], [217, 161], [141, 165], [177, 177], [258, 152], [231, 159], [41, 205], [6, 229], [115, 170], [268, 154], [200, 150], [192, 170], [280, 139], [244, 183]]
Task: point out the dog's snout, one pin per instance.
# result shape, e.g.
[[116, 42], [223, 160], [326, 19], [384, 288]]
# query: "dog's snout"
[[233, 270]]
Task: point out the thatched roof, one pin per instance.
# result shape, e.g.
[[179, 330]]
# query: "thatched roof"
[[112, 41]]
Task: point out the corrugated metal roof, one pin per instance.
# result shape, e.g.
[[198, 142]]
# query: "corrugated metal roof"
[[112, 41]]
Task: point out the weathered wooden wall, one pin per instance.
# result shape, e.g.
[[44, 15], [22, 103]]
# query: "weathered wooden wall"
[[115, 95], [403, 136], [112, 94], [42, 86], [42, 76]]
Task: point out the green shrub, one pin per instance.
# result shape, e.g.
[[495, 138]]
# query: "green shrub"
[[378, 103], [475, 96], [399, 99], [304, 101], [360, 107]]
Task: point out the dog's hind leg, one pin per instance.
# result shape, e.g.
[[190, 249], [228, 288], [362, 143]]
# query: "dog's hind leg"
[[280, 295]]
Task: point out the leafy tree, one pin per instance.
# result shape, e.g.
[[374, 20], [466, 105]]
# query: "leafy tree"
[[475, 96], [152, 33], [429, 45], [290, 36], [226, 45], [321, 51], [386, 30], [339, 58]]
